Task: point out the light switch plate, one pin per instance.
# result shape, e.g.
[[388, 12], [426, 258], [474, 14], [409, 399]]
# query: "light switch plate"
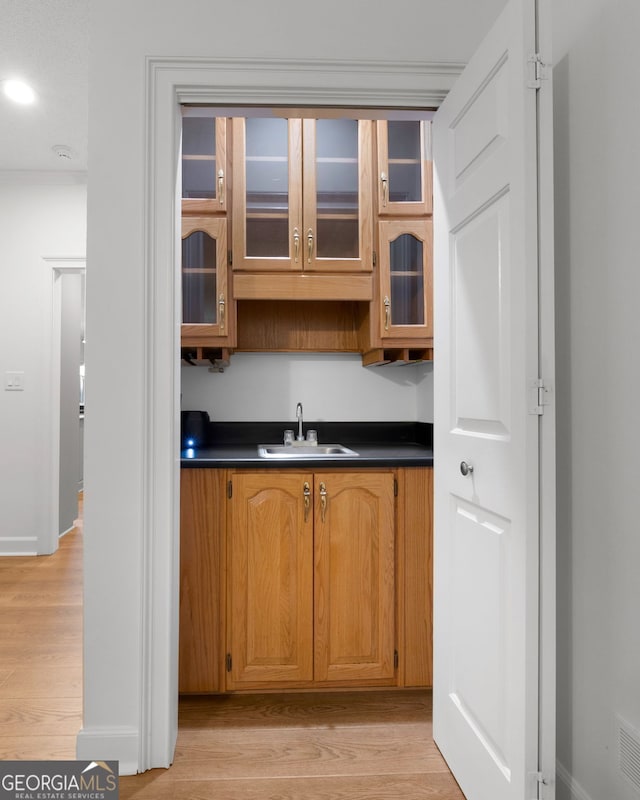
[[14, 381]]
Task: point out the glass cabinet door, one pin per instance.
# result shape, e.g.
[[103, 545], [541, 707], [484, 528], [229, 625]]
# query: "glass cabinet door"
[[205, 312], [267, 218], [404, 168], [406, 279], [204, 155], [337, 195]]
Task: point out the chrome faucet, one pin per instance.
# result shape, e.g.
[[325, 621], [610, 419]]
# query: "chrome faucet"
[[300, 436]]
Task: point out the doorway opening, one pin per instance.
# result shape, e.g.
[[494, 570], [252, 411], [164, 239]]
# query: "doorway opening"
[[66, 401]]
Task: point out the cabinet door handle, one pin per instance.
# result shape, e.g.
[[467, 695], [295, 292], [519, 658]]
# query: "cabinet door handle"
[[306, 491], [221, 186], [296, 244], [385, 182], [323, 501], [387, 312], [221, 306], [309, 245]]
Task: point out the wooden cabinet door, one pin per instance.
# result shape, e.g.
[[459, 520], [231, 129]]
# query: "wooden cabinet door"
[[204, 161], [405, 183], [270, 580], [208, 313], [202, 526], [337, 197], [354, 576], [267, 194], [406, 280]]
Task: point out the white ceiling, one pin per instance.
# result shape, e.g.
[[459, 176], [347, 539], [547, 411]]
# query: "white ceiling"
[[45, 43]]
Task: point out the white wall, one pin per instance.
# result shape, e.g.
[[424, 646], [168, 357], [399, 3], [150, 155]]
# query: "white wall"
[[597, 164], [41, 215], [333, 387], [122, 35]]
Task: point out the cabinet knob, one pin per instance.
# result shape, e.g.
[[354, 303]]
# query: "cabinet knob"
[[465, 468]]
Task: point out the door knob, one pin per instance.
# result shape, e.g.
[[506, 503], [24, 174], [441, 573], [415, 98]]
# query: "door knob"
[[466, 469]]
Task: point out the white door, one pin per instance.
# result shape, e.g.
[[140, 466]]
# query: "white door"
[[486, 615]]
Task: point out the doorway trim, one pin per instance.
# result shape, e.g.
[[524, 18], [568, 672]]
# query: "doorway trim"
[[58, 267], [170, 82]]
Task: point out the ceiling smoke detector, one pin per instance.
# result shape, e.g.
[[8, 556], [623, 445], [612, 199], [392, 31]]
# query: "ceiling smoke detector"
[[63, 151]]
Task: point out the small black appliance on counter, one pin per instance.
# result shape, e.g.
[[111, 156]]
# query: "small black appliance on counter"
[[193, 429]]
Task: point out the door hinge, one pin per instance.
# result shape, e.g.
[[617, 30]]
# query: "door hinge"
[[537, 71], [537, 396], [396, 659], [395, 487], [229, 489], [228, 662], [540, 780]]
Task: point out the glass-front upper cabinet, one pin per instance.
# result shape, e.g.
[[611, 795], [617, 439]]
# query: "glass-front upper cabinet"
[[302, 195], [337, 201], [405, 182], [206, 310], [204, 157], [406, 271], [267, 199]]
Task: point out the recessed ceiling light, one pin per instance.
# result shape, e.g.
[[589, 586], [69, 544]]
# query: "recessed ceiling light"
[[19, 92]]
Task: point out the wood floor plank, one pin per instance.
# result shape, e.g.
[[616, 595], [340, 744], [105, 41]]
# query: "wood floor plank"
[[360, 750], [50, 656], [440, 786], [34, 682], [337, 708], [44, 717], [38, 748]]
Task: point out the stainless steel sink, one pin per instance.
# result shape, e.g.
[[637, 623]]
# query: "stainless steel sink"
[[305, 451]]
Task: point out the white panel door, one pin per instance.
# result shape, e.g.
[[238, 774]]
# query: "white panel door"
[[486, 326]]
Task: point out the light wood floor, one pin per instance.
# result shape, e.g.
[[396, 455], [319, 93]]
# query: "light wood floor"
[[41, 652], [342, 746]]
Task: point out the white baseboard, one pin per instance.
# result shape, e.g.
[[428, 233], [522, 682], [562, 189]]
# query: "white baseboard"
[[567, 786], [18, 546], [110, 744]]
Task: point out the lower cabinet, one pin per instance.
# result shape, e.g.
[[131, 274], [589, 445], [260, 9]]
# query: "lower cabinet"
[[311, 591], [293, 579]]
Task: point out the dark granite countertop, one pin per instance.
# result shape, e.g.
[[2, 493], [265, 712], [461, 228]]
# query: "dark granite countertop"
[[378, 444]]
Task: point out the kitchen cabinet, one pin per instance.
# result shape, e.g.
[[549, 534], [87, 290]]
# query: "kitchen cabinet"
[[403, 311], [204, 161], [404, 168], [208, 313], [283, 598], [311, 592], [302, 195]]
